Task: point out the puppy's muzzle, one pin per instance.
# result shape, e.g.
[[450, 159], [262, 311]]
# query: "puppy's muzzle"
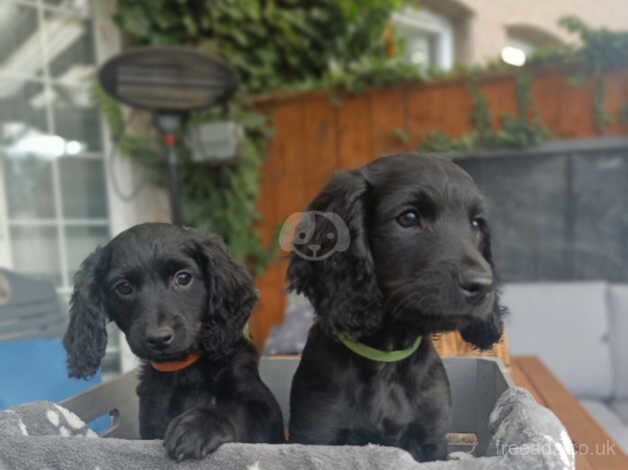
[[475, 285], [160, 337]]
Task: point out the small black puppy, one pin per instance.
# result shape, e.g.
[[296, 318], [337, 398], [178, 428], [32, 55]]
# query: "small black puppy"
[[419, 262], [182, 302]]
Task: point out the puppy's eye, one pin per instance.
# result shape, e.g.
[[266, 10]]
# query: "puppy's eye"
[[123, 288], [182, 278], [409, 218], [478, 222]]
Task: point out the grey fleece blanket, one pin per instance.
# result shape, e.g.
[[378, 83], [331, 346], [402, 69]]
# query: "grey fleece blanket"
[[42, 435]]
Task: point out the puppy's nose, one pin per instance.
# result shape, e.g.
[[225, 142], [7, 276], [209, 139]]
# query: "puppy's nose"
[[474, 285], [160, 337]]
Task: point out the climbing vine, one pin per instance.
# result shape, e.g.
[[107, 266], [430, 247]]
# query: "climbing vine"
[[286, 44], [601, 51], [304, 45], [522, 130]]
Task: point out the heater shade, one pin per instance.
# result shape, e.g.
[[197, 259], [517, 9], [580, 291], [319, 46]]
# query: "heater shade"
[[168, 79]]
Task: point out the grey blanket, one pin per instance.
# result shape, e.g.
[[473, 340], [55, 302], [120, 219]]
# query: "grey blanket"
[[42, 435]]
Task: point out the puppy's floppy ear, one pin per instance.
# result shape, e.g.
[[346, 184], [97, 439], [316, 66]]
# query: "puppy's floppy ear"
[[231, 295], [484, 333], [342, 286], [85, 339]]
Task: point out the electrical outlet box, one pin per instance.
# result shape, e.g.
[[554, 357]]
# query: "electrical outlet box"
[[214, 142]]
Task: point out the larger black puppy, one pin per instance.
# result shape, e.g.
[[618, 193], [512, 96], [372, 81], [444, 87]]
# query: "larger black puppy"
[[182, 303], [419, 261]]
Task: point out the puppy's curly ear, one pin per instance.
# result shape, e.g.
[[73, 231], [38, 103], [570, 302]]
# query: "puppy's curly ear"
[[484, 333], [231, 296], [85, 340], [331, 262]]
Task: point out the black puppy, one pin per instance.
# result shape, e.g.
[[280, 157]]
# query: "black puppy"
[[419, 262], [182, 302]]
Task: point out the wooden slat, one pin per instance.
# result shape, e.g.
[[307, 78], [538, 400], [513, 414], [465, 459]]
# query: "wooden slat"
[[268, 308], [388, 115], [266, 203], [582, 428], [354, 142], [500, 97], [576, 116], [455, 106], [319, 144], [615, 101], [547, 95], [284, 185]]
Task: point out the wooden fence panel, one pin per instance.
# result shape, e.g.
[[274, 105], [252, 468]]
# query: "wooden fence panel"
[[283, 192], [501, 98], [424, 112], [315, 134], [319, 144], [576, 116], [547, 93], [454, 105], [388, 110], [354, 132]]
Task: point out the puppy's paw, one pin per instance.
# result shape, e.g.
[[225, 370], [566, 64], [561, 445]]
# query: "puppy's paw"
[[196, 433]]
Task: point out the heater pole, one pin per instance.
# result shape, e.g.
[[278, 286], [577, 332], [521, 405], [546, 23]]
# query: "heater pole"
[[167, 124], [175, 203]]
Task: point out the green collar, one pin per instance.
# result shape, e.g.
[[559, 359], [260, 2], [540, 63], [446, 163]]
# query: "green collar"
[[378, 355], [247, 335]]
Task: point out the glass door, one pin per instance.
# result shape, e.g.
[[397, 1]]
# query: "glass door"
[[53, 200]]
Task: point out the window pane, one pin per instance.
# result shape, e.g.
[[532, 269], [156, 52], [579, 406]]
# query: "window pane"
[[76, 120], [71, 58], [81, 241], [27, 150], [70, 52], [28, 181], [68, 42], [36, 253], [75, 6], [20, 110], [20, 44], [420, 46], [83, 188]]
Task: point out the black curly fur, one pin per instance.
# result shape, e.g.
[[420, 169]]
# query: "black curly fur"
[[342, 287], [86, 337], [483, 334], [231, 297], [220, 397], [394, 283]]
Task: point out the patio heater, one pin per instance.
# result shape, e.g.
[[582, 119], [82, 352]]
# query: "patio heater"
[[169, 82]]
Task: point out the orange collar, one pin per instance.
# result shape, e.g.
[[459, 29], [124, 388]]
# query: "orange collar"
[[173, 366]]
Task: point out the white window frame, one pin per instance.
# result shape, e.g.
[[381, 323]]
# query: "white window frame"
[[437, 25], [59, 221], [105, 45], [5, 241]]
